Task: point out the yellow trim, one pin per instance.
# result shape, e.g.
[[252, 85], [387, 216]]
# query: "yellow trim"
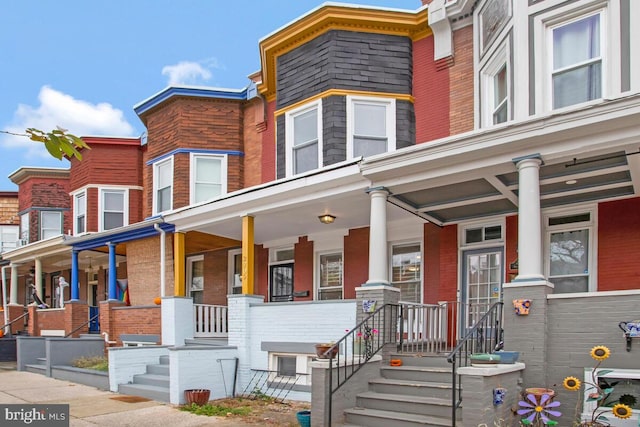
[[332, 17], [179, 288], [248, 255], [344, 92]]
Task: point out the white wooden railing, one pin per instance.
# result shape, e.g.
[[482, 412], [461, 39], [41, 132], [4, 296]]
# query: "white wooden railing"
[[210, 320]]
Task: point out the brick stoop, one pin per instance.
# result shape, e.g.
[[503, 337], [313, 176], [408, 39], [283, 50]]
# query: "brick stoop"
[[418, 393]]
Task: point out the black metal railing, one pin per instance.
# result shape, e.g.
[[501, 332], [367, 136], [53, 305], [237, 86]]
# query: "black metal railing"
[[272, 386], [358, 346], [485, 336], [22, 316], [91, 319]]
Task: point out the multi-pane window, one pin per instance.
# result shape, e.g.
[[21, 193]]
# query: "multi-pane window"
[[569, 248], [8, 237], [79, 213], [304, 139], [50, 224], [208, 175], [330, 276], [163, 186], [577, 61], [406, 267], [371, 124], [113, 205], [24, 228]]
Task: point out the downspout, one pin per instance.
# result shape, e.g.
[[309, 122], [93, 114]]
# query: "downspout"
[[163, 237], [4, 294]]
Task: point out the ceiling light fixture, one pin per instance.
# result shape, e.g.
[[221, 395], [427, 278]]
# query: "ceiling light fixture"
[[571, 182], [327, 218]]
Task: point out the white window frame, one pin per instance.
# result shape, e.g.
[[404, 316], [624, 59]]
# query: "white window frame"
[[412, 242], [319, 256], [9, 237], [500, 59], [193, 158], [390, 116], [234, 279], [41, 224], [474, 225], [302, 367], [101, 205], [76, 207], [289, 135], [592, 228], [156, 166], [544, 24]]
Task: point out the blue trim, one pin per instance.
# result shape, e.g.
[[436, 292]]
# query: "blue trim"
[[517, 160], [112, 271], [122, 237], [195, 151], [75, 283], [219, 93]]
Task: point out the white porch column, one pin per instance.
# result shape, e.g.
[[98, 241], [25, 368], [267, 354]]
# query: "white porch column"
[[529, 220], [13, 293], [38, 279], [378, 264]]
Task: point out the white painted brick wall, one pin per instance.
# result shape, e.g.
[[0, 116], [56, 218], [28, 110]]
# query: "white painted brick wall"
[[125, 362]]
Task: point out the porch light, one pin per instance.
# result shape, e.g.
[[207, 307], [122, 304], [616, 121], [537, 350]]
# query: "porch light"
[[327, 218]]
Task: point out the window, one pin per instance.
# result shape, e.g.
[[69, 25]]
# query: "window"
[[113, 209], [495, 89], [406, 267], [163, 186], [304, 139], [290, 371], [50, 224], [208, 177], [371, 124], [8, 237], [330, 276], [576, 70], [281, 275], [569, 247], [24, 229], [235, 271], [80, 213], [482, 234], [195, 277]]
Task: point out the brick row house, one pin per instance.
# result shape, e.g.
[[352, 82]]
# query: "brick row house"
[[458, 155]]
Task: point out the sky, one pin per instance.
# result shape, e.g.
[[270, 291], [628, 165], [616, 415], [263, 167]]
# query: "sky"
[[83, 65]]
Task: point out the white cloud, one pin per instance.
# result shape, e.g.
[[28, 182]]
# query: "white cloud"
[[81, 118], [188, 72]]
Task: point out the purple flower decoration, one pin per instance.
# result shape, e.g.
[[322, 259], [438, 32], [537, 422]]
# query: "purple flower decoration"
[[535, 409]]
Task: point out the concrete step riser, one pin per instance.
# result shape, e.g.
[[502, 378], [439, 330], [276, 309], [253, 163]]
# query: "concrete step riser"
[[35, 369], [412, 390], [132, 390], [382, 404], [369, 421], [158, 369], [164, 360], [425, 361], [151, 380], [418, 376]]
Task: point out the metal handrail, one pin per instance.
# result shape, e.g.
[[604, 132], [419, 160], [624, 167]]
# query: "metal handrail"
[[91, 319], [25, 314], [485, 336], [360, 344]]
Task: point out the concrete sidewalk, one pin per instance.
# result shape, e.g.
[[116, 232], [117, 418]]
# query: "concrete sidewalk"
[[89, 406]]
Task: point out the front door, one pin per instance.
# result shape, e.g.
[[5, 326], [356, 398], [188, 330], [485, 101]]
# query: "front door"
[[195, 278], [281, 279], [481, 283]]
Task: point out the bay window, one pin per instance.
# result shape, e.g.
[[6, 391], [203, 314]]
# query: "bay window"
[[113, 209], [163, 186], [304, 139], [371, 126], [208, 177]]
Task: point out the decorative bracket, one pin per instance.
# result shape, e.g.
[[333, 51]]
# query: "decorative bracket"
[[631, 330]]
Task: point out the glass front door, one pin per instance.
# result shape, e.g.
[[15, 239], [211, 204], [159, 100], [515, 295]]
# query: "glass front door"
[[482, 283]]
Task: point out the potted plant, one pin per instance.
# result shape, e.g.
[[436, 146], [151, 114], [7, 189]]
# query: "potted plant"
[[322, 350]]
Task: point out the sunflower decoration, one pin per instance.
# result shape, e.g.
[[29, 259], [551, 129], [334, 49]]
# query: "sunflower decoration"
[[600, 353], [621, 411], [571, 383]]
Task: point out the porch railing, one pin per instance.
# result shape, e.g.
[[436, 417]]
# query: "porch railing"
[[210, 320], [22, 316], [359, 345], [426, 328], [485, 336]]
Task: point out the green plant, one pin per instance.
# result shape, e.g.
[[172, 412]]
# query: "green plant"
[[260, 395], [215, 410], [97, 363]]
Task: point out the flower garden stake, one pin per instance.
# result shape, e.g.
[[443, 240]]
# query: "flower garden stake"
[[538, 411], [596, 392]]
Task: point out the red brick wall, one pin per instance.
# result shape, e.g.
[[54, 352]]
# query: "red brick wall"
[[448, 263], [252, 167], [619, 245], [431, 92], [461, 82], [50, 319], [193, 123], [40, 192], [269, 145], [215, 278], [303, 268], [431, 263], [135, 320], [107, 164], [261, 283], [511, 243], [143, 269], [356, 260]]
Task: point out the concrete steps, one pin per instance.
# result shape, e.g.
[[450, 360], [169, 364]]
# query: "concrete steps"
[[418, 393], [154, 384]]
